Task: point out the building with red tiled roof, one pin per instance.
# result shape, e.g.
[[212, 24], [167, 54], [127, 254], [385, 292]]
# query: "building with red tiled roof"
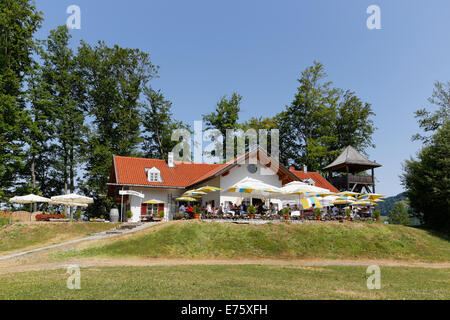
[[317, 179], [164, 181]]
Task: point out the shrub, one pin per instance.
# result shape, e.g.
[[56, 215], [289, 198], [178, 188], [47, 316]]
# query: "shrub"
[[317, 212], [251, 209], [285, 212], [161, 213], [376, 214], [78, 214], [348, 212], [399, 214], [196, 209], [129, 214]]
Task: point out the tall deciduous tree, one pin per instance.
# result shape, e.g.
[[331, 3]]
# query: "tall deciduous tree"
[[65, 89], [306, 125], [19, 19], [115, 80], [226, 116], [321, 121], [427, 180], [430, 121], [158, 124]]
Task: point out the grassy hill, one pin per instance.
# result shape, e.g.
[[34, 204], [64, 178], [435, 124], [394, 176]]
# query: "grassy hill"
[[208, 240], [29, 235]]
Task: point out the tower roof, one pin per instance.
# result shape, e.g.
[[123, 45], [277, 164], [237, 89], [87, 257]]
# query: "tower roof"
[[350, 157]]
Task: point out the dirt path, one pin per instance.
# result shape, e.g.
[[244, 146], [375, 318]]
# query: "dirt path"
[[42, 263]]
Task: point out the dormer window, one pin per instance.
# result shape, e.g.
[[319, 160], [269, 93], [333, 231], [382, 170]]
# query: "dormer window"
[[153, 175]]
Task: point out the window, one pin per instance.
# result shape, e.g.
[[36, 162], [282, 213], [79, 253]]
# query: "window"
[[153, 175], [152, 209]]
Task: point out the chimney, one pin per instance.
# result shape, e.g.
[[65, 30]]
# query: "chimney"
[[170, 160], [305, 168], [291, 168]]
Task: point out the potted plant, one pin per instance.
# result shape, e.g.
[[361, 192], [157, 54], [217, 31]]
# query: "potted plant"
[[129, 215], [78, 214], [348, 212], [285, 212], [196, 212], [251, 211], [317, 213], [161, 214], [376, 215]]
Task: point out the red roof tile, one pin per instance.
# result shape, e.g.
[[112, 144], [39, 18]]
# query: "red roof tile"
[[317, 178], [131, 171]]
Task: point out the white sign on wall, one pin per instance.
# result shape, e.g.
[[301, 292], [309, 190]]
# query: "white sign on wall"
[[131, 193]]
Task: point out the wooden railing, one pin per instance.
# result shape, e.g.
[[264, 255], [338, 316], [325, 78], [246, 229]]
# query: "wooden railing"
[[343, 180]]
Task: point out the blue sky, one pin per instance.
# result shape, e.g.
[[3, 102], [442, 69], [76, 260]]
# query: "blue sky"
[[207, 49]]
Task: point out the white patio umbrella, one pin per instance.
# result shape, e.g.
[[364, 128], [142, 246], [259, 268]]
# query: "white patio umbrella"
[[72, 200], [29, 199], [255, 188]]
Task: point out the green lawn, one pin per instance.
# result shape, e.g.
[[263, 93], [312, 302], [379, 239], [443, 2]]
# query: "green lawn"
[[229, 282], [278, 241], [29, 235], [3, 221]]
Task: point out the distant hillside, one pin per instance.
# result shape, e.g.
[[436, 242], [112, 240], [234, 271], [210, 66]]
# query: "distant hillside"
[[386, 206]]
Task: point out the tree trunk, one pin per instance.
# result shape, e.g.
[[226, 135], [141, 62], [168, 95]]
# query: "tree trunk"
[[33, 179], [71, 178]]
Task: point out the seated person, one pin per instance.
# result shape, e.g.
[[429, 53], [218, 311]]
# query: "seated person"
[[295, 211], [272, 209], [262, 209], [243, 209], [228, 209]]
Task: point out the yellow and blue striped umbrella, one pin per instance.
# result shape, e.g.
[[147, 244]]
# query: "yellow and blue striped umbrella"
[[208, 189], [348, 194], [308, 202], [370, 196], [153, 202]]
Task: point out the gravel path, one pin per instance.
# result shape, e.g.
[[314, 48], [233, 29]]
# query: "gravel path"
[[101, 235]]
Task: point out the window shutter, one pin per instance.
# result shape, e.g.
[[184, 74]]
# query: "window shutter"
[[143, 209]]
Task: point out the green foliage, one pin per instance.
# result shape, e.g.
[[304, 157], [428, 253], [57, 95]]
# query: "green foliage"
[[225, 117], [78, 214], [399, 214], [129, 214], [427, 180], [321, 121], [158, 124], [429, 121], [196, 209], [114, 78], [386, 206], [285, 212], [161, 213], [19, 20], [251, 209], [376, 214], [317, 212], [348, 212]]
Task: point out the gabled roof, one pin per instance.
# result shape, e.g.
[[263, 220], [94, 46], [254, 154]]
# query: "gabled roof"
[[316, 177], [351, 157], [131, 171]]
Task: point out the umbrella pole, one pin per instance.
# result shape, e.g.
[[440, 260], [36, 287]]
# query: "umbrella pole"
[[31, 211]]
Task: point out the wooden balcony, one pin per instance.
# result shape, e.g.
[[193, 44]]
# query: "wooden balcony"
[[343, 181]]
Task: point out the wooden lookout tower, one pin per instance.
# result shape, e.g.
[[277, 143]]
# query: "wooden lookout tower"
[[349, 166]]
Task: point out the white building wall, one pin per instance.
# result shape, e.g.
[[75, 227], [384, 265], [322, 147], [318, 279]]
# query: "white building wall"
[[240, 172], [161, 194]]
